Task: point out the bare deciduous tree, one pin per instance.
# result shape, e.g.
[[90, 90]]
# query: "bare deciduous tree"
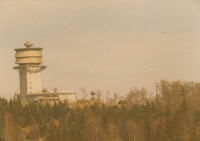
[[99, 94], [115, 97], [93, 130], [12, 129], [83, 90], [107, 96], [113, 132]]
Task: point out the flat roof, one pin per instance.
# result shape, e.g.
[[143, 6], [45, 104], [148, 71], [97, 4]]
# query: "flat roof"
[[48, 93], [67, 91], [32, 48]]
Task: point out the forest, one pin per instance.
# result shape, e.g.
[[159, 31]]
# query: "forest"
[[173, 114]]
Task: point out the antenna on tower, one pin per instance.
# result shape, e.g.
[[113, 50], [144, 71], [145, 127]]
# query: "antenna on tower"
[[28, 44]]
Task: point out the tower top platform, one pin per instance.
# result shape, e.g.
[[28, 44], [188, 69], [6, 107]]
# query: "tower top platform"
[[33, 48], [28, 55]]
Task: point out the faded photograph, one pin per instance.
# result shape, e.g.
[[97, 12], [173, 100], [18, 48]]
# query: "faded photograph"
[[115, 70]]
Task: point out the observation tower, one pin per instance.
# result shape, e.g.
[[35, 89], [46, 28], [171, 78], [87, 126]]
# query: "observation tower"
[[29, 62]]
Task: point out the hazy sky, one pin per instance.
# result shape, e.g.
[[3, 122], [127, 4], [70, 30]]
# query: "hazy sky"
[[102, 44]]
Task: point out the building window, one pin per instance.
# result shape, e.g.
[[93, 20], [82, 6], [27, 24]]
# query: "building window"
[[30, 87], [30, 92]]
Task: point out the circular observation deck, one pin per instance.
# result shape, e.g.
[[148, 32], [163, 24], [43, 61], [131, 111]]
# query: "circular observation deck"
[[28, 55]]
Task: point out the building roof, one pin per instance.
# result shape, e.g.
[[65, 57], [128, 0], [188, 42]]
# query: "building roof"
[[67, 91]]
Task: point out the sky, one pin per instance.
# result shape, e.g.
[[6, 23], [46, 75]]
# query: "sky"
[[112, 45]]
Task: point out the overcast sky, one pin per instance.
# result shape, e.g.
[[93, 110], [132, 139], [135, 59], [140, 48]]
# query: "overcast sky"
[[102, 44]]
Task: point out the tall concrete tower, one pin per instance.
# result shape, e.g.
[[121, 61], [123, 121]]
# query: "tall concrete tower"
[[29, 62]]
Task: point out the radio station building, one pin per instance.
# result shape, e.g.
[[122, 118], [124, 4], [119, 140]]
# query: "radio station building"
[[30, 66]]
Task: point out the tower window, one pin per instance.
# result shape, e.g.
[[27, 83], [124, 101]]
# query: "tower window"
[[30, 87]]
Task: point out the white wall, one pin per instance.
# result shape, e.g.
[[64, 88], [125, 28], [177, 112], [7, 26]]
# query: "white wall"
[[34, 84], [70, 97]]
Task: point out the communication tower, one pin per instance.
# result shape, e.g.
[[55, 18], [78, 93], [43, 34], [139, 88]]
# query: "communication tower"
[[29, 62]]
